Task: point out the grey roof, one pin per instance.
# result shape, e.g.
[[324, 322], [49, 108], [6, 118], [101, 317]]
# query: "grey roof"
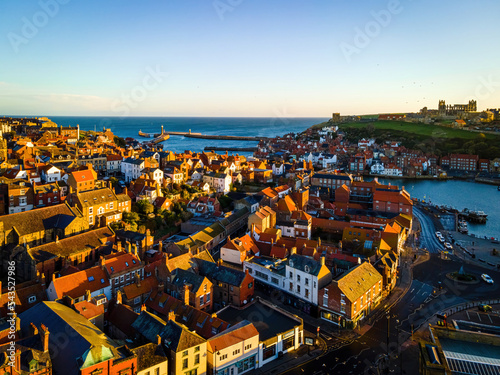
[[331, 176], [304, 264], [220, 273], [71, 336], [133, 161], [269, 322], [149, 325], [177, 337], [183, 277]]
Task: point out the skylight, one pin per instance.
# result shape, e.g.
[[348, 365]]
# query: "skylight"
[[102, 281], [112, 269], [126, 263], [91, 278]]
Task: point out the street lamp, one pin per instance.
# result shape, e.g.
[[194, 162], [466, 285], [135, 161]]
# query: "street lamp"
[[400, 349]]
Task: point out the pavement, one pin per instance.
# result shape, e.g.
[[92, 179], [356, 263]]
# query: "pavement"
[[294, 359], [466, 245]]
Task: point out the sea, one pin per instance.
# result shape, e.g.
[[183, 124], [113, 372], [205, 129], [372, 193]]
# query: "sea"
[[455, 193], [239, 126]]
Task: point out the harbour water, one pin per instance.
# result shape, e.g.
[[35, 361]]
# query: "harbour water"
[[459, 194], [239, 126]]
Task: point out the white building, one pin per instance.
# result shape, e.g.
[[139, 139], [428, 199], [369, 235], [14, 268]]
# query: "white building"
[[377, 168], [51, 174], [131, 168], [113, 163], [220, 182]]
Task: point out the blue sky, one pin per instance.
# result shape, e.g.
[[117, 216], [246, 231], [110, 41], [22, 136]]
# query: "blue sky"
[[286, 58]]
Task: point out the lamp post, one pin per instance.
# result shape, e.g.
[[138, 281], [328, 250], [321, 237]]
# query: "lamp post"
[[400, 349], [388, 316]]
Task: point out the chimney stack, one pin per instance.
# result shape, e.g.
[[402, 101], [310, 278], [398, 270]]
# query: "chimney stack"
[[44, 335], [33, 329], [119, 297], [322, 261], [186, 295], [102, 262], [158, 340], [138, 279], [88, 297], [293, 251], [143, 307]]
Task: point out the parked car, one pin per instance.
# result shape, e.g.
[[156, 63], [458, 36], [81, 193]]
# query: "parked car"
[[448, 246], [438, 234], [486, 278], [441, 239], [484, 307]]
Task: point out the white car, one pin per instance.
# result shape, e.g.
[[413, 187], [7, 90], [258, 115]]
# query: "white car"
[[441, 239], [438, 234], [448, 246], [486, 278]]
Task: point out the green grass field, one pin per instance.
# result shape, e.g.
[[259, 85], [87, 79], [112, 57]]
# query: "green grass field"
[[433, 131]]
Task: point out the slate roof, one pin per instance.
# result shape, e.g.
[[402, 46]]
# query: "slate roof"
[[331, 176], [183, 277], [63, 322], [175, 336], [220, 273], [301, 262]]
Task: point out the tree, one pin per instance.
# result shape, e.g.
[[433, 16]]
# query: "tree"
[[130, 217], [120, 142], [144, 207]]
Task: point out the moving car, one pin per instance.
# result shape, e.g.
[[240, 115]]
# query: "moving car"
[[485, 308], [486, 278]]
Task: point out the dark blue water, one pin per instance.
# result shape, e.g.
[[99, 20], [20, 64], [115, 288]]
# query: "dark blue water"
[[254, 126], [459, 194]]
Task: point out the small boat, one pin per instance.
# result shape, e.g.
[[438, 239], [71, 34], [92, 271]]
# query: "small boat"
[[498, 187]]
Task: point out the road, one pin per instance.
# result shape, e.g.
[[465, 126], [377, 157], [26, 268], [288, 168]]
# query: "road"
[[368, 354], [428, 239]]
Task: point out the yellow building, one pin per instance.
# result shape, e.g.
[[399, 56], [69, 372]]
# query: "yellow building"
[[186, 350]]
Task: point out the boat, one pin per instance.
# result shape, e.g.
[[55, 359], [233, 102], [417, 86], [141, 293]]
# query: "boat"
[[473, 216], [462, 227]]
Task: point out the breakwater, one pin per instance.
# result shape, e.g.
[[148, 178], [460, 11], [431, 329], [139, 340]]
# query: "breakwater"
[[241, 149]]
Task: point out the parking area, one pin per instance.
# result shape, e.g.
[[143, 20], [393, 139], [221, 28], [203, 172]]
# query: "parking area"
[[474, 315]]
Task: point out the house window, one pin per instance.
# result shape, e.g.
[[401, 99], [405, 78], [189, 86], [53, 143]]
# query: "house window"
[[325, 299], [208, 297], [298, 288], [184, 363], [91, 210], [122, 278], [32, 299], [185, 353], [137, 300], [201, 300], [196, 359], [298, 278], [307, 281]]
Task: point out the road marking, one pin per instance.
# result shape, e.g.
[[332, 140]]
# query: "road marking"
[[468, 317], [478, 316], [490, 318]]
